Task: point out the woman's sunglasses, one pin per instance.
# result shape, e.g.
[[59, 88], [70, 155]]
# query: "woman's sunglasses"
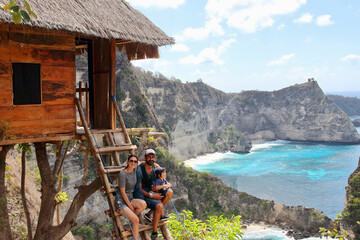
[[133, 161]]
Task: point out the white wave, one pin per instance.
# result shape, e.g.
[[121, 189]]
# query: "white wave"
[[206, 159], [266, 145], [269, 233], [354, 117]]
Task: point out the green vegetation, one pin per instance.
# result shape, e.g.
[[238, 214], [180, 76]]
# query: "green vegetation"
[[225, 139], [351, 214], [215, 227], [85, 231], [93, 231], [5, 131], [335, 231], [18, 12], [61, 198]]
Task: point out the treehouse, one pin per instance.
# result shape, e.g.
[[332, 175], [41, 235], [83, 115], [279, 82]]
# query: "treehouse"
[[40, 100]]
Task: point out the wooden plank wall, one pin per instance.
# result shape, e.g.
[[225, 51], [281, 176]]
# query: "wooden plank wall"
[[104, 83], [56, 54]]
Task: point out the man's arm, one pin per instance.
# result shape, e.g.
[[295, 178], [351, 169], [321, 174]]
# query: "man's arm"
[[155, 164]]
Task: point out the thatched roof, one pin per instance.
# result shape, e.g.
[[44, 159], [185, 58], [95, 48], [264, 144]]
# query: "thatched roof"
[[111, 19]]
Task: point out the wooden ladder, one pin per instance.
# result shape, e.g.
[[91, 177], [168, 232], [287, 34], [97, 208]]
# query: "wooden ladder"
[[105, 146]]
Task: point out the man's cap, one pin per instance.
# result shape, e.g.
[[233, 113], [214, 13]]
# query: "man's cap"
[[159, 170], [149, 151]]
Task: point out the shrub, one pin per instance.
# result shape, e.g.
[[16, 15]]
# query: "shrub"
[[215, 227], [86, 232]]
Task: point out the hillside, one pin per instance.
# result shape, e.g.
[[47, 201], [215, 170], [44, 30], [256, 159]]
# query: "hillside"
[[200, 119], [350, 105]]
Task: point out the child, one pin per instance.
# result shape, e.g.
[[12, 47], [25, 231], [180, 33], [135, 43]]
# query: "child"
[[160, 184]]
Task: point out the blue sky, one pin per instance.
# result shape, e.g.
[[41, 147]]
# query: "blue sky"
[[236, 45]]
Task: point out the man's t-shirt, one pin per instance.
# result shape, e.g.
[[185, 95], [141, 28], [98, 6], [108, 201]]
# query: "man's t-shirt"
[[146, 180]]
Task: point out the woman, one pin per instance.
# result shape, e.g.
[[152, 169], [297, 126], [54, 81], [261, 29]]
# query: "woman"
[[127, 182]]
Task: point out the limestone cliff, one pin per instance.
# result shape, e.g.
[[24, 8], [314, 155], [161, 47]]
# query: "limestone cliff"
[[300, 112], [192, 113]]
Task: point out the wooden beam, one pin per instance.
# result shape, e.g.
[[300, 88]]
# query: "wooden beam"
[[41, 138], [112, 89], [116, 149], [136, 131]]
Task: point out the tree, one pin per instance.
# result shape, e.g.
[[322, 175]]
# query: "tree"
[[18, 12], [25, 147], [5, 229], [49, 179], [45, 229]]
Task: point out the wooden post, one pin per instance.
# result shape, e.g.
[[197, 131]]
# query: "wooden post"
[[112, 79], [166, 233], [87, 104], [86, 165], [127, 138]]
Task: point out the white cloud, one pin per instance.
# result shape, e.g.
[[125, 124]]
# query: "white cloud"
[[305, 18], [352, 58], [154, 65], [251, 15], [281, 26], [180, 47], [212, 27], [283, 60], [324, 20], [208, 55], [156, 3]]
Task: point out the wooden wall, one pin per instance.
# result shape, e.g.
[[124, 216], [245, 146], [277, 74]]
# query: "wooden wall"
[[55, 52], [104, 83]]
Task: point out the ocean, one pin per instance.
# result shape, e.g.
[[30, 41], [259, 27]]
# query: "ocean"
[[292, 173]]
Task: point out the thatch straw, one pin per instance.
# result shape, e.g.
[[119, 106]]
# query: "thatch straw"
[[111, 19]]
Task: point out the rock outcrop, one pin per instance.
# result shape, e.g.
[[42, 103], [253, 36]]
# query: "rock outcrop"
[[351, 213], [300, 113], [356, 122]]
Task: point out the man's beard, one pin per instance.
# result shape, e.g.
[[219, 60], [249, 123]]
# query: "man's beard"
[[150, 162]]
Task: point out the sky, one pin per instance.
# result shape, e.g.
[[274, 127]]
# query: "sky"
[[236, 45]]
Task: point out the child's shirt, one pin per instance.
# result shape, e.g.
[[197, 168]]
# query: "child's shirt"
[[159, 182]]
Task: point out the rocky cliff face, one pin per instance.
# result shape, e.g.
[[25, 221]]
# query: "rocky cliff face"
[[300, 112], [192, 113]]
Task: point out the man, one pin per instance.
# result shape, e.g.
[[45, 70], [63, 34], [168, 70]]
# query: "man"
[[145, 176]]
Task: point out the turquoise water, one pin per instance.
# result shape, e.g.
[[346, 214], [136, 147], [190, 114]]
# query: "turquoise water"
[[292, 173]]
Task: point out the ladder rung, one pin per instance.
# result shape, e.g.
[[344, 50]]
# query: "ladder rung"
[[142, 228], [112, 170], [115, 149], [111, 190]]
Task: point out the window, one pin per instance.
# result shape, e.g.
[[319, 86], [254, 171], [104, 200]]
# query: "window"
[[26, 83]]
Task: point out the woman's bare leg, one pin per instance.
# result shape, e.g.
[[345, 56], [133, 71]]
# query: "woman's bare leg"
[[133, 218], [139, 205]]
